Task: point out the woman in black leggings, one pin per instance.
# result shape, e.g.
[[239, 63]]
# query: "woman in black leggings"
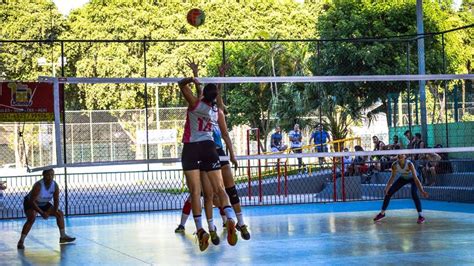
[[406, 170]]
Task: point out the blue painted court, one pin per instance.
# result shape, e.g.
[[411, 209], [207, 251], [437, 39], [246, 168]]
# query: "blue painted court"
[[335, 233]]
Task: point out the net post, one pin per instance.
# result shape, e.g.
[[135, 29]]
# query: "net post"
[[57, 121], [279, 177], [343, 180], [334, 178], [259, 167], [248, 167], [286, 178]]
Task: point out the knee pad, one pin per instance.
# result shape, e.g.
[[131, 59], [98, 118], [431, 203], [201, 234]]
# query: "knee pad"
[[233, 196]]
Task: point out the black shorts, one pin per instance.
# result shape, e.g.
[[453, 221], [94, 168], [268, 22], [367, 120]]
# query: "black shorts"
[[200, 155], [28, 206], [221, 152]]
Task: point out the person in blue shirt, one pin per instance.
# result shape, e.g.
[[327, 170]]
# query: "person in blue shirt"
[[276, 142], [320, 137]]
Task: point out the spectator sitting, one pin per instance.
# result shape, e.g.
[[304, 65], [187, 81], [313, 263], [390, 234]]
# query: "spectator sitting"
[[377, 159], [395, 144], [444, 166], [418, 142], [276, 142], [428, 169], [358, 166], [410, 139], [347, 159]]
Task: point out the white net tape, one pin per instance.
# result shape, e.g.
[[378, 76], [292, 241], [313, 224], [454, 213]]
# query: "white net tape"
[[287, 79]]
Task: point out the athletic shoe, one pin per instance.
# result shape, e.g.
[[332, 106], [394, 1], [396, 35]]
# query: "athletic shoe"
[[203, 238], [179, 229], [231, 232], [20, 245], [214, 237], [421, 220], [66, 239], [379, 217], [244, 231]]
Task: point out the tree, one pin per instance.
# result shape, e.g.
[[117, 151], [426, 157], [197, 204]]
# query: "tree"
[[27, 20], [355, 19]]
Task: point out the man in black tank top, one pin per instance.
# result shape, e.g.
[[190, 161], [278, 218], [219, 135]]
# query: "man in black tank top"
[[37, 201]]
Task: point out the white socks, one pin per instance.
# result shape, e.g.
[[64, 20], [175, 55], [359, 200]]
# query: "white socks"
[[210, 223], [184, 218], [240, 219], [229, 212], [198, 222], [62, 232]]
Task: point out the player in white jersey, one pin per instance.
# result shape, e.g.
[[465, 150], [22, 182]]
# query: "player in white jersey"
[[200, 154], [38, 201], [406, 170]]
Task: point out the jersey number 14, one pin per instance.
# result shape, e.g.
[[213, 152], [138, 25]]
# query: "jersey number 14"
[[204, 124]]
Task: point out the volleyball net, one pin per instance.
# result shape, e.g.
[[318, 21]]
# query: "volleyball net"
[[148, 126]]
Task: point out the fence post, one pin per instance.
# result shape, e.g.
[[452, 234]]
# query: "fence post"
[[248, 167], [63, 111], [445, 91], [409, 89], [334, 178]]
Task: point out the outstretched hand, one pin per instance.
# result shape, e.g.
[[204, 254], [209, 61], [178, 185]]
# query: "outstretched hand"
[[194, 65], [223, 69]]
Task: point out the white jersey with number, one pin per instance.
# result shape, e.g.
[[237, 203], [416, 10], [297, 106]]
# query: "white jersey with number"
[[200, 120]]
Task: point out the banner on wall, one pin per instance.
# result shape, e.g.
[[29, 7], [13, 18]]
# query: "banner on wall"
[[27, 101]]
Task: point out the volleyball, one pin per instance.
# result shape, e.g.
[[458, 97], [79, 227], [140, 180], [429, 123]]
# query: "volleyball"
[[196, 17]]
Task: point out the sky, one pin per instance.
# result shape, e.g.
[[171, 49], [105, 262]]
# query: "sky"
[[65, 6]]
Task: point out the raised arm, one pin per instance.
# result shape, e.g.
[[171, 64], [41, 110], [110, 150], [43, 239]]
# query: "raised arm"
[[417, 181], [225, 136], [187, 92], [195, 68]]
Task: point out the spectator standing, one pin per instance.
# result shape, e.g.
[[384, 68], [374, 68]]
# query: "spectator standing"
[[296, 139], [320, 138]]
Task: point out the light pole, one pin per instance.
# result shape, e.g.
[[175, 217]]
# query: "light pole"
[[43, 62]]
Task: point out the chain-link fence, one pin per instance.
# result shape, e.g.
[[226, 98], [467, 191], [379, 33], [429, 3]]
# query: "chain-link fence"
[[264, 182], [122, 122]]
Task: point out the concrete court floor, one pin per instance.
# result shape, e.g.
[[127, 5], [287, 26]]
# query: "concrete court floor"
[[333, 233]]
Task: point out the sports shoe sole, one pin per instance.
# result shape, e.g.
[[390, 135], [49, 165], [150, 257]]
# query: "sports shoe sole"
[[231, 233], [378, 220], [204, 242], [63, 241]]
